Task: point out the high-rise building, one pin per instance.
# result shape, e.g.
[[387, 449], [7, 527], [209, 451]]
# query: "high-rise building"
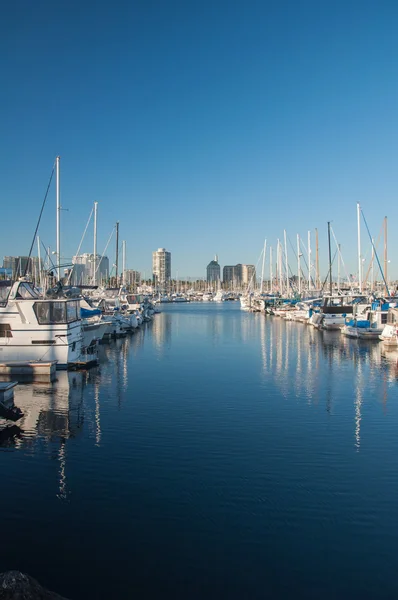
[[161, 266], [213, 270], [248, 274], [21, 265], [83, 269], [132, 278], [239, 275]]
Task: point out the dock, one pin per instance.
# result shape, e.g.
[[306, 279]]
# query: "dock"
[[28, 370], [8, 410], [83, 363]]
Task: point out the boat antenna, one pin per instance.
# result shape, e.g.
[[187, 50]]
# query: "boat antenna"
[[38, 221]]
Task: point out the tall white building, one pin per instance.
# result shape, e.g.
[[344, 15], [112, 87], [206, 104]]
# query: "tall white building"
[[161, 266], [83, 269]]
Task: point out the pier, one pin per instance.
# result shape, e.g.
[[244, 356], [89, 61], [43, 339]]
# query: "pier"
[[28, 370]]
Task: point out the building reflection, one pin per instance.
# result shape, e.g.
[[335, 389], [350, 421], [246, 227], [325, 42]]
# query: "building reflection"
[[161, 330]]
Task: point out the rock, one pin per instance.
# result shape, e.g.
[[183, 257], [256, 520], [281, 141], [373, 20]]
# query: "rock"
[[15, 585]]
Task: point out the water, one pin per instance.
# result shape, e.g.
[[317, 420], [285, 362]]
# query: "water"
[[214, 454]]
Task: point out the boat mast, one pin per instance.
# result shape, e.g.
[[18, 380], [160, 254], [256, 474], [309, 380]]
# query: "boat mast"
[[359, 248], [298, 264], [338, 266], [262, 270], [330, 262], [279, 269], [286, 263], [309, 260], [95, 245], [385, 252], [317, 259], [373, 267], [58, 218], [39, 259], [271, 288], [124, 262], [117, 253]]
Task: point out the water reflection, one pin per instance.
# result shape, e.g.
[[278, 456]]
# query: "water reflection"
[[301, 358], [202, 435]]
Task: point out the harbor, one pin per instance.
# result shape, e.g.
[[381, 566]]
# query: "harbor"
[[202, 449], [199, 301]]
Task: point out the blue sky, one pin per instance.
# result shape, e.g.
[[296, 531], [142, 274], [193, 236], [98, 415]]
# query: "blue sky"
[[203, 127]]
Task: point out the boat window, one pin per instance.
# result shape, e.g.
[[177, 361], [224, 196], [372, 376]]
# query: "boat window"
[[5, 330], [391, 317], [383, 318], [25, 292], [43, 312], [58, 312], [72, 311], [5, 289]]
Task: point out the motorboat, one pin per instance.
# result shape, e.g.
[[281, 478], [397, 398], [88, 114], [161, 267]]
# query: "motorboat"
[[35, 328]]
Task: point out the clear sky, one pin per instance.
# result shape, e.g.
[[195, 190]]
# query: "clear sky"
[[203, 127]]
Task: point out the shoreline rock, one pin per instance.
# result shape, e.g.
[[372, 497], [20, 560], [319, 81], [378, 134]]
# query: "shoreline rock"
[[15, 585]]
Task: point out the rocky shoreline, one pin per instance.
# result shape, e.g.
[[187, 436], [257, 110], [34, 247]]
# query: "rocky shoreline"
[[15, 585]]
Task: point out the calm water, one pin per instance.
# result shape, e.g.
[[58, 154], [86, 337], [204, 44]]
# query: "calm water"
[[214, 454]]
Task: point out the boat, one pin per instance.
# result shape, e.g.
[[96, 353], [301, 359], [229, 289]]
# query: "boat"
[[368, 325], [389, 335], [220, 296], [35, 328]]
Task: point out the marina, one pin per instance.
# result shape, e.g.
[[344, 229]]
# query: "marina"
[[199, 301], [213, 450]]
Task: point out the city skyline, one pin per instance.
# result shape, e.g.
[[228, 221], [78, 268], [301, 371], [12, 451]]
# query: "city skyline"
[[245, 121]]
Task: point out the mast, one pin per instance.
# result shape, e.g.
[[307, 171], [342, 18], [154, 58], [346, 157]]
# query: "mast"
[[373, 268], [39, 259], [286, 264], [95, 245], [278, 267], [298, 264], [317, 259], [338, 266], [359, 248], [262, 270], [124, 262], [58, 218], [117, 253], [385, 251], [271, 289], [330, 262], [309, 260]]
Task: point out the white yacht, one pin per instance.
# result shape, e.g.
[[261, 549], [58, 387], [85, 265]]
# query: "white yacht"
[[207, 297], [220, 296], [389, 335], [368, 325], [33, 328]]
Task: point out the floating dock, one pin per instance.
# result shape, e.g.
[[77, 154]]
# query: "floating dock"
[[8, 410], [28, 370]]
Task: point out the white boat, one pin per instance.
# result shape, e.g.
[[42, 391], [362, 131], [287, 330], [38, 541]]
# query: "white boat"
[[334, 312], [389, 335], [245, 302], [219, 297], [207, 297], [368, 326], [36, 328]]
